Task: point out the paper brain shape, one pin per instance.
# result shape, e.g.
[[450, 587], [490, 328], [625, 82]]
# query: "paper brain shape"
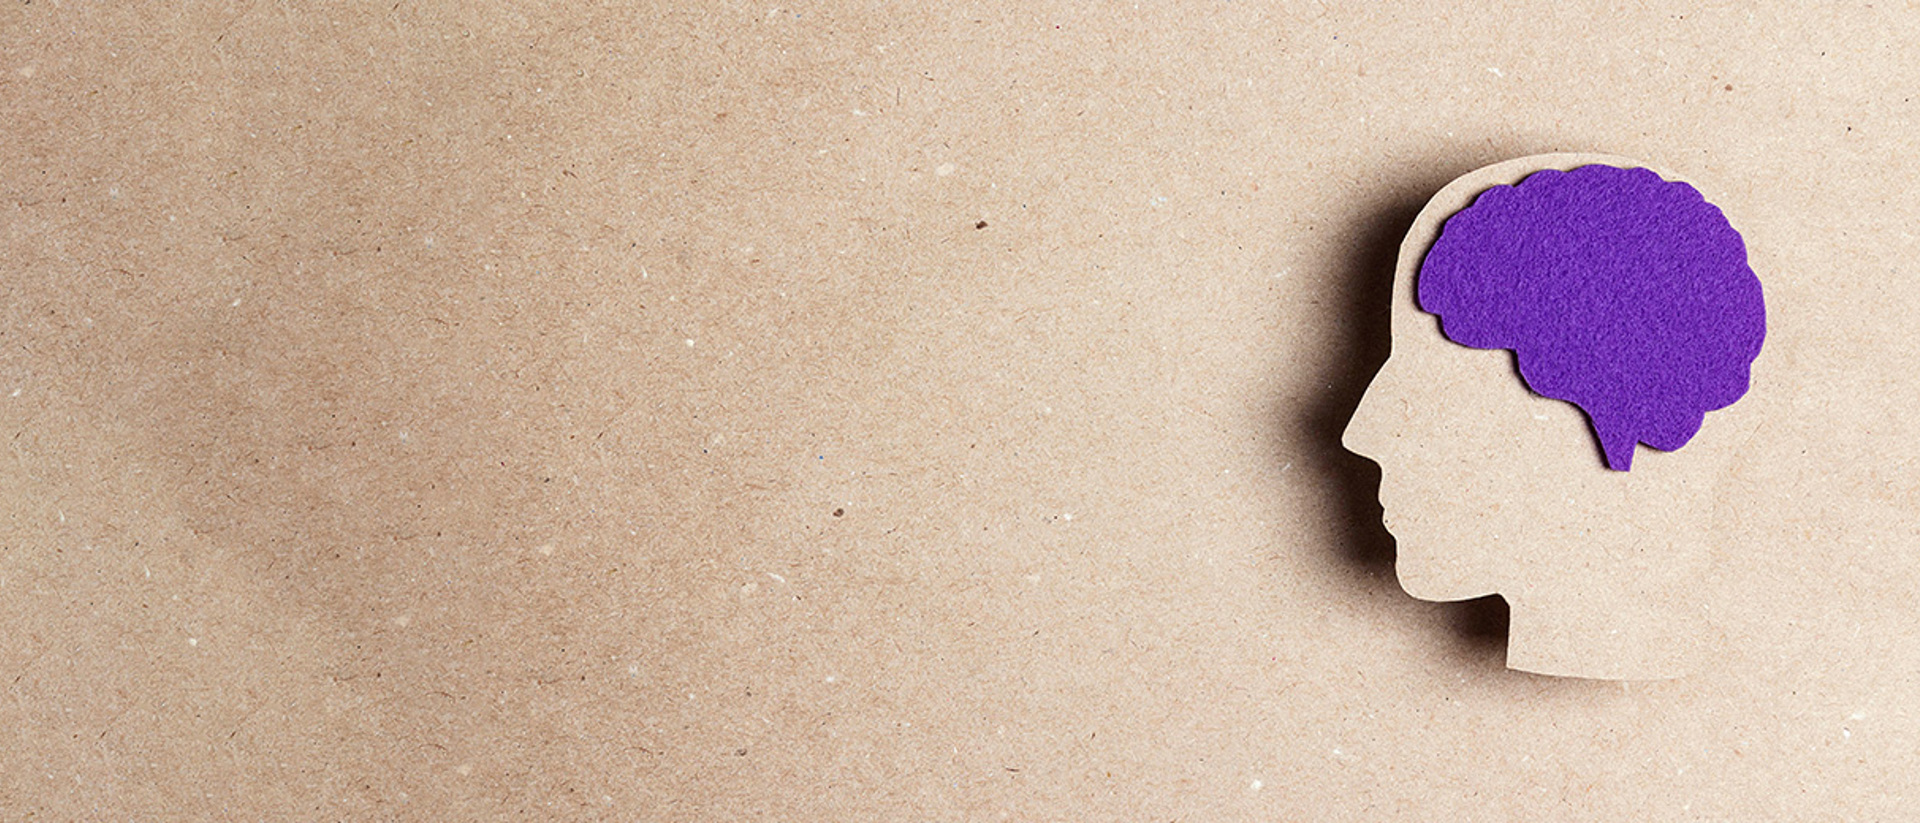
[[1620, 292]]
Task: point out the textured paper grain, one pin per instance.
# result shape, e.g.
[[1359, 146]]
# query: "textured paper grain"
[[440, 411]]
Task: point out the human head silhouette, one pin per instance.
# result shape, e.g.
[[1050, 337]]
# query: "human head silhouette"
[[1489, 487]]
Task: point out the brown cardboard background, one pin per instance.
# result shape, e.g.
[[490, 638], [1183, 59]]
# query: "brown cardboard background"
[[359, 464]]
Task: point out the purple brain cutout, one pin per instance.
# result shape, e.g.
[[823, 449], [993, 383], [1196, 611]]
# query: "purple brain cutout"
[[1620, 292]]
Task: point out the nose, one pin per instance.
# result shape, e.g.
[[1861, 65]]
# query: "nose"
[[1366, 432]]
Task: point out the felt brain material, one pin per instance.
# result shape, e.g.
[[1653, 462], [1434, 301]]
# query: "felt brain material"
[[1620, 292]]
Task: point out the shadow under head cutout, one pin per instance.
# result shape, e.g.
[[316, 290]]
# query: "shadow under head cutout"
[[1623, 293]]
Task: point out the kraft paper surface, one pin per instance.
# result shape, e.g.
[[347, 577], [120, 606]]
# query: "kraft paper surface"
[[848, 411]]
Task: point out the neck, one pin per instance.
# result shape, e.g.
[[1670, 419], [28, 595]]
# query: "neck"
[[1599, 637]]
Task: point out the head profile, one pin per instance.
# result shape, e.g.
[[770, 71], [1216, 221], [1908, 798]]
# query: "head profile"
[[1624, 302]]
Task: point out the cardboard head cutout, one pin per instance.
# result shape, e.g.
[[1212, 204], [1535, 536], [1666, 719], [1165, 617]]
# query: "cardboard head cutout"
[[1616, 290]]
